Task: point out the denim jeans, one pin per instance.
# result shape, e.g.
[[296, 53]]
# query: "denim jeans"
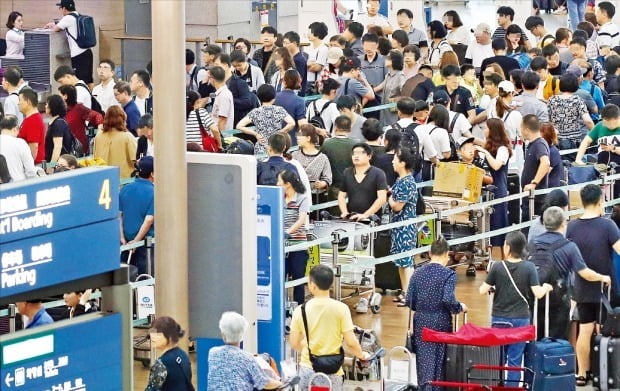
[[576, 12], [514, 352]]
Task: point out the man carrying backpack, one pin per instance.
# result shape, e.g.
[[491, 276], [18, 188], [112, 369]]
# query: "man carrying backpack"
[[556, 258], [81, 36], [416, 140]]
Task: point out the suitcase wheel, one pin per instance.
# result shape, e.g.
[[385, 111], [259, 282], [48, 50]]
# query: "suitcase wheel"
[[471, 271], [375, 303]]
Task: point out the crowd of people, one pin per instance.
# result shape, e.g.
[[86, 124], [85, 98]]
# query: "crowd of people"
[[360, 116]]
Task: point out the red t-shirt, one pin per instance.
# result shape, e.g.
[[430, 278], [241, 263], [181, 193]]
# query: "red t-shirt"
[[33, 131]]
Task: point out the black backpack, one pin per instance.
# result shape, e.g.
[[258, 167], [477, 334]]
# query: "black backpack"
[[94, 103], [541, 255], [2, 47], [86, 33], [411, 141], [454, 157], [316, 120]]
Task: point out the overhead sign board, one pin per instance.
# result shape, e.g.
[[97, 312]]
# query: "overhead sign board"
[[56, 202], [58, 229], [77, 355]]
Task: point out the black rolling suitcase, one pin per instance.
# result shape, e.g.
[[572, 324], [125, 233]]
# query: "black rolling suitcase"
[[459, 358], [605, 354], [514, 206], [386, 274]]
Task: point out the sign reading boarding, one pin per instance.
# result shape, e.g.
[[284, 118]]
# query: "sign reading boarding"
[[57, 229], [83, 355], [56, 202]]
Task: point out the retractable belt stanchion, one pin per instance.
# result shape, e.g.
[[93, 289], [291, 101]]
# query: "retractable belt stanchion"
[[12, 315], [532, 201], [335, 265], [438, 224]]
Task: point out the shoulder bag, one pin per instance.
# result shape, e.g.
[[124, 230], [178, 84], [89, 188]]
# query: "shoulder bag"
[[328, 364], [209, 144], [515, 284]]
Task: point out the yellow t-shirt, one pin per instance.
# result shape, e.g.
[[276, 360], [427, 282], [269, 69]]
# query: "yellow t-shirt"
[[328, 320]]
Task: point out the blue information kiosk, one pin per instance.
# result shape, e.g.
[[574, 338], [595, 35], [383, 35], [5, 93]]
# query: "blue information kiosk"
[[61, 234]]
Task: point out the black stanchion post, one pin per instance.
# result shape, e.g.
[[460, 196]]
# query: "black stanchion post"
[[335, 266], [438, 224], [12, 315], [532, 199]]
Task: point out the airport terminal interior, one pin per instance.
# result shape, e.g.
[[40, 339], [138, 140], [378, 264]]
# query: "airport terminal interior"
[[292, 167]]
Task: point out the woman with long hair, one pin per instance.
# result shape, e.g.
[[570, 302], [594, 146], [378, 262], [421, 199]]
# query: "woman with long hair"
[[115, 144], [295, 214], [497, 152], [448, 58], [284, 61], [556, 173], [502, 109], [315, 163], [515, 40]]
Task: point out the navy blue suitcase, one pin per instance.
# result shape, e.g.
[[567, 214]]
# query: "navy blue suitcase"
[[551, 362]]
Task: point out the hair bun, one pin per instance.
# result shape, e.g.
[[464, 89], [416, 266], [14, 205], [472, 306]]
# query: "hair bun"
[[180, 331]]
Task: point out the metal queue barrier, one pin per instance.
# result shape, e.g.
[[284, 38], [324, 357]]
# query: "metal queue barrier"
[[605, 180]]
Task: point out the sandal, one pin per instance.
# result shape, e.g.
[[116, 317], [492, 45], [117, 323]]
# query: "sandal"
[[402, 303], [581, 381], [399, 299]]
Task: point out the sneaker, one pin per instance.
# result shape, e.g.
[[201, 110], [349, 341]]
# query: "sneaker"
[[560, 11], [362, 306]]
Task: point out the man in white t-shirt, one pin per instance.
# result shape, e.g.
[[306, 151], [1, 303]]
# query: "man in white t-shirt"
[[66, 76], [140, 83], [374, 18], [481, 49], [15, 150], [608, 34], [13, 83], [317, 53], [223, 111], [328, 113], [81, 59], [104, 91]]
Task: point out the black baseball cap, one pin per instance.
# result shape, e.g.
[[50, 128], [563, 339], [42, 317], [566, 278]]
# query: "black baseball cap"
[[69, 4], [441, 97]]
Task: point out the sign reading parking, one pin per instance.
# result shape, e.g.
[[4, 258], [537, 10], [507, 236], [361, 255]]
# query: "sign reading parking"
[[83, 354], [58, 228]]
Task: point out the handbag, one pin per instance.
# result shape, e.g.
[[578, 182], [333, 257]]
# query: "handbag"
[[328, 364], [209, 144]]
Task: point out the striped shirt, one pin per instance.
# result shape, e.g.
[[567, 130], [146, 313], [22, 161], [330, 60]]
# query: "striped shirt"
[[192, 127], [294, 208]]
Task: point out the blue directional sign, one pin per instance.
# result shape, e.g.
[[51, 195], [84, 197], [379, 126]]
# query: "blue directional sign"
[[61, 256], [57, 229], [56, 202], [270, 271], [77, 355]]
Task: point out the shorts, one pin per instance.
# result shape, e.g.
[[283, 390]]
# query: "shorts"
[[590, 312], [83, 66], [306, 374]]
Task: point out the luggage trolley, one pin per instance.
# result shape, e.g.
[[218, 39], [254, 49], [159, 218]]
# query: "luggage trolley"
[[460, 225], [352, 270]]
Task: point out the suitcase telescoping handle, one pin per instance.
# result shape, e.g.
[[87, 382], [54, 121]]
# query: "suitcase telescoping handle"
[[600, 310], [535, 315], [456, 320]]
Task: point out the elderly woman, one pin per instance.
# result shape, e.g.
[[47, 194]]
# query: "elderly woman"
[[231, 368]]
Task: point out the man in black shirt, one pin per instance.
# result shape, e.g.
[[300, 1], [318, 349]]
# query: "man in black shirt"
[[536, 165], [461, 100], [506, 63], [552, 55], [365, 186], [244, 100]]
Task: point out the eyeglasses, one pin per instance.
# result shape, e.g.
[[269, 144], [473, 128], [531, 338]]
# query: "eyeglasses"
[[240, 47]]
